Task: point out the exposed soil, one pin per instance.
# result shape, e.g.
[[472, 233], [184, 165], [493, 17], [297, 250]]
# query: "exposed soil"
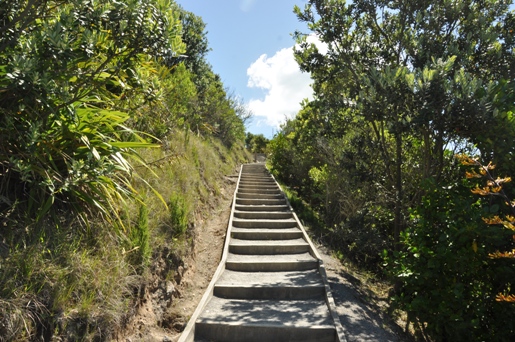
[[168, 305], [208, 252]]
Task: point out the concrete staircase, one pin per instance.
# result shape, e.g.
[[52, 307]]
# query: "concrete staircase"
[[271, 283]]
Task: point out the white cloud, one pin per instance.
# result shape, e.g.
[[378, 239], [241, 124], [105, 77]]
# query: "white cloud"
[[322, 47], [284, 84]]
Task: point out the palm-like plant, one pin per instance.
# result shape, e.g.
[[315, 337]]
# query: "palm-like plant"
[[65, 78]]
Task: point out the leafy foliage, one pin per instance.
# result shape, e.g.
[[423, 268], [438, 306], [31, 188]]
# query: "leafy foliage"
[[256, 143], [446, 282], [400, 88], [423, 73], [64, 141], [87, 87], [494, 188]]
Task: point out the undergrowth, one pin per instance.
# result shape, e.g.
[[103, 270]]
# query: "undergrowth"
[[82, 282], [371, 285], [318, 231], [355, 241]]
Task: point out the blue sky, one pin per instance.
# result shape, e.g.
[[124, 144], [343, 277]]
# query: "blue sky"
[[251, 46]]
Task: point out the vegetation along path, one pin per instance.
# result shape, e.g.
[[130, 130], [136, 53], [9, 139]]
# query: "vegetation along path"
[[271, 283]]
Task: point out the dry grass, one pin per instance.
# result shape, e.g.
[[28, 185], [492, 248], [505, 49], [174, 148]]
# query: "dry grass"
[[82, 283]]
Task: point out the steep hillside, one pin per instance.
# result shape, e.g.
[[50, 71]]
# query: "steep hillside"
[[93, 282]]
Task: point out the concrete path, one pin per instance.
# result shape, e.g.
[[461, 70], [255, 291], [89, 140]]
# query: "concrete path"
[[362, 314], [271, 284]]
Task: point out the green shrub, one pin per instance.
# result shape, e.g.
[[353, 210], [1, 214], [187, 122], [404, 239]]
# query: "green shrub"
[[179, 214], [445, 281], [140, 251], [64, 143]]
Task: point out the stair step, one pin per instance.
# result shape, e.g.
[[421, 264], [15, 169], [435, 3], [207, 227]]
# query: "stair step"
[[266, 233], [259, 191], [243, 223], [270, 285], [260, 196], [263, 207], [259, 168], [265, 185], [265, 320], [268, 247], [262, 183], [270, 263], [258, 179], [263, 215], [262, 201], [255, 182]]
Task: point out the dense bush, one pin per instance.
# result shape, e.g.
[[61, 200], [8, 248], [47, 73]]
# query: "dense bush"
[[63, 134], [446, 282]]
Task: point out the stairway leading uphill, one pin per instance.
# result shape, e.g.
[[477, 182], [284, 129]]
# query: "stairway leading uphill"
[[271, 283]]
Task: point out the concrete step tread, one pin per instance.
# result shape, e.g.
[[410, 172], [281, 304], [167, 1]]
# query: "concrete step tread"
[[262, 207], [263, 186], [258, 190], [270, 259], [260, 186], [262, 201], [308, 278], [247, 192], [272, 192], [290, 242], [266, 233], [238, 210], [254, 180], [265, 230], [243, 195], [263, 215], [288, 313], [267, 247], [262, 223]]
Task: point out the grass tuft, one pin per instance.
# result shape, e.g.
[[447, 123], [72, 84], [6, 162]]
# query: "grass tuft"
[[179, 215]]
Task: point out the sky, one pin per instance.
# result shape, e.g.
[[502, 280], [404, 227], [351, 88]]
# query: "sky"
[[251, 49]]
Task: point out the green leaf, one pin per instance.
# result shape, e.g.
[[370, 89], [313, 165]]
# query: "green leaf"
[[133, 144]]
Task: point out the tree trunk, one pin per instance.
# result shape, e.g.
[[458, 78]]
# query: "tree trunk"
[[426, 162], [398, 223]]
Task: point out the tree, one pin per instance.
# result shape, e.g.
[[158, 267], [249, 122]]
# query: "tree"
[[256, 143], [194, 35], [425, 79], [213, 110], [424, 71]]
